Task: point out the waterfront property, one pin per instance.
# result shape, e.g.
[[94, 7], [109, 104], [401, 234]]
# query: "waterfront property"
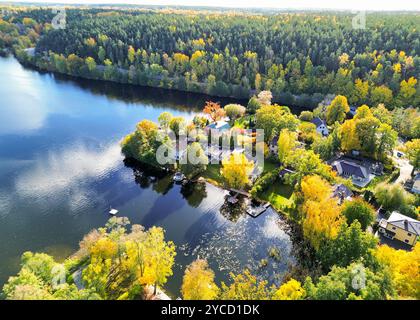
[[361, 172], [400, 227], [67, 172], [220, 126]]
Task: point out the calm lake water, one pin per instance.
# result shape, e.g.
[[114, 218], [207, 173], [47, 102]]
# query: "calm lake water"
[[61, 169]]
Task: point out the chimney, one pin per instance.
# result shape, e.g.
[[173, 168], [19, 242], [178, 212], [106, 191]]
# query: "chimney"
[[406, 224]]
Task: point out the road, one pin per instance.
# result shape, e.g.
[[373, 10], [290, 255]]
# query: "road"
[[405, 169]]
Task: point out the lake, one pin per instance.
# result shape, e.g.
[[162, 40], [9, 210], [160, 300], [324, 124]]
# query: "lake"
[[61, 169]]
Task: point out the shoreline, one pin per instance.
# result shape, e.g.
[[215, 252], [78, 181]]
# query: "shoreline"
[[25, 60]]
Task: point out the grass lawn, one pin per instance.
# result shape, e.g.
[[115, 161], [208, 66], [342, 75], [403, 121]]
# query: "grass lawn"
[[212, 174], [377, 180], [270, 165], [278, 195]]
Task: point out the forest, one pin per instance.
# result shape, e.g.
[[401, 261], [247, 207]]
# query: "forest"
[[299, 57], [361, 84]]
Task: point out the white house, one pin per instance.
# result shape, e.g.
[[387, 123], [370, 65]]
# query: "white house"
[[321, 126]]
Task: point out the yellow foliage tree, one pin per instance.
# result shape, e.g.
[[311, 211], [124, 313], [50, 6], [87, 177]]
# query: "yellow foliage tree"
[[322, 221], [286, 143], [160, 257], [321, 214], [236, 170], [315, 188], [198, 282], [348, 136], [104, 248], [363, 112], [404, 267], [291, 290]]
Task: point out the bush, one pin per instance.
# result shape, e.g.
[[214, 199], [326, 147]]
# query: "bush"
[[264, 182]]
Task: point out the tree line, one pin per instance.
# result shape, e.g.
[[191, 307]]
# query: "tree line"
[[298, 57]]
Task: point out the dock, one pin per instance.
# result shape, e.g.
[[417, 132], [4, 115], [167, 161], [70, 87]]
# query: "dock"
[[257, 211]]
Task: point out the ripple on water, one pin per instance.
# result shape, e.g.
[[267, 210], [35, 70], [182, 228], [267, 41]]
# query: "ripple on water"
[[5, 204], [237, 246]]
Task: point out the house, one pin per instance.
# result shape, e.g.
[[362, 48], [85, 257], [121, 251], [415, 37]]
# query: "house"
[[342, 192], [416, 185], [321, 126], [401, 228], [274, 145], [349, 169], [353, 110], [220, 126]]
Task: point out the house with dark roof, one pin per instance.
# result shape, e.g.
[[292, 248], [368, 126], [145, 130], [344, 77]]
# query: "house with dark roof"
[[400, 227], [358, 173], [321, 126], [342, 193], [274, 144]]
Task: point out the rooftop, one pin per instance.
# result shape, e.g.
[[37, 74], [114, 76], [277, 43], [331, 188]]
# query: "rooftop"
[[318, 122], [401, 221], [341, 191], [350, 169], [219, 125]]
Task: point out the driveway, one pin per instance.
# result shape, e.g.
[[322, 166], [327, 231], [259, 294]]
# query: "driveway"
[[405, 169]]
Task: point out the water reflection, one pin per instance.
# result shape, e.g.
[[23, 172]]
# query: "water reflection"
[[61, 169], [67, 169], [194, 193], [214, 229]]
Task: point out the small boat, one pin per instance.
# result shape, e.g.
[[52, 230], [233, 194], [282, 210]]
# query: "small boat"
[[113, 212], [178, 177]]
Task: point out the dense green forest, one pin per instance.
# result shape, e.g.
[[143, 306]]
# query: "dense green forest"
[[299, 57]]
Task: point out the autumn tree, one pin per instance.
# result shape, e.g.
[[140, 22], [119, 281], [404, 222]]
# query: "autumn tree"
[[321, 214], [358, 210], [380, 95], [393, 197], [306, 162], [412, 149], [337, 110], [161, 258], [286, 144], [264, 98], [273, 118], [236, 170], [214, 111], [404, 267], [291, 290], [178, 125], [164, 120], [407, 92], [245, 286], [234, 111], [198, 282]]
